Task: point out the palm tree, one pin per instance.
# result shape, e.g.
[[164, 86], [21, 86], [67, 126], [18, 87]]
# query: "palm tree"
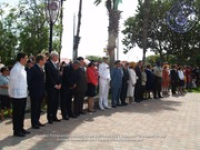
[[145, 27], [114, 17], [77, 36]]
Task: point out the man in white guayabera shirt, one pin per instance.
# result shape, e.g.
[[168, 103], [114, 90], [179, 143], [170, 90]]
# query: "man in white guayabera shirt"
[[104, 83], [18, 94]]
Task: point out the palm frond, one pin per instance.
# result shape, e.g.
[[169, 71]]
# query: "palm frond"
[[97, 2]]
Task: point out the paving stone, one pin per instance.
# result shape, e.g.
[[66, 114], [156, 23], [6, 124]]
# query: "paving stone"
[[171, 123]]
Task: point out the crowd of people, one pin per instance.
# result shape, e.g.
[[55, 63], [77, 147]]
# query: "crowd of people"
[[65, 86]]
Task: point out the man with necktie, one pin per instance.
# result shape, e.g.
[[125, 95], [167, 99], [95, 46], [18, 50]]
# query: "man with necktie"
[[36, 86], [53, 86]]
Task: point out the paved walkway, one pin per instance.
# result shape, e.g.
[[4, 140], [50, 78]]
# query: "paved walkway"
[[172, 123]]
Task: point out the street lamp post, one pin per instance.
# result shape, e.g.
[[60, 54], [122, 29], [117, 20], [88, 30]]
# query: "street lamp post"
[[53, 8]]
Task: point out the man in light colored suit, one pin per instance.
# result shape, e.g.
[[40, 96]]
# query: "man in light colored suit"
[[116, 83]]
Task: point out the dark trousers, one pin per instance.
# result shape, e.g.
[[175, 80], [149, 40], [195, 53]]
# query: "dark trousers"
[[173, 86], [35, 110], [123, 93], [115, 96], [138, 92], [18, 114], [52, 103], [143, 90], [69, 102], [157, 87], [66, 102], [78, 101]]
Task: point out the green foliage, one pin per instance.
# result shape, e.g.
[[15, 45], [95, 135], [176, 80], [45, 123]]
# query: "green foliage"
[[8, 38], [196, 90], [178, 48], [95, 58], [114, 3], [97, 2], [25, 28], [152, 59]]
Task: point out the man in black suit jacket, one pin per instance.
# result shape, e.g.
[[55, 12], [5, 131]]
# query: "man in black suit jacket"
[[67, 92], [124, 87], [174, 78], [138, 90], [36, 87], [79, 78], [53, 86]]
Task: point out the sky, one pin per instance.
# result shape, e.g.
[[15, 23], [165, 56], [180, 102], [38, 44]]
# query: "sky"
[[94, 28]]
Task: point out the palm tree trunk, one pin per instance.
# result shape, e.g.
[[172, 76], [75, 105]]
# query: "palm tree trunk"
[[61, 22], [114, 16], [77, 37], [145, 28]]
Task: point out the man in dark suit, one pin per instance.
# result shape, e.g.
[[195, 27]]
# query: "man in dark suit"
[[124, 87], [80, 80], [138, 90], [36, 86], [150, 83], [67, 92], [174, 78], [30, 64], [53, 86]]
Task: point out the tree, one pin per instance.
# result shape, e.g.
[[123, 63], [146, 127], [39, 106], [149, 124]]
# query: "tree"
[[146, 14], [114, 17], [161, 39], [24, 28], [95, 58], [8, 38], [33, 27]]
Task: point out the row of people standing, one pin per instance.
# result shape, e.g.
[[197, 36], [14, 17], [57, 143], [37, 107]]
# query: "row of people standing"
[[77, 82], [45, 76]]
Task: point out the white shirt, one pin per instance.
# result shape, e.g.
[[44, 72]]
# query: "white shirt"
[[181, 75], [18, 82], [157, 71], [104, 71]]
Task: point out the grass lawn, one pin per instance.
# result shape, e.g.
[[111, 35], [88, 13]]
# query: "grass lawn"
[[196, 90]]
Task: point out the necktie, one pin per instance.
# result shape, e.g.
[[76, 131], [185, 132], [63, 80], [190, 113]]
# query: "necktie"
[[41, 69]]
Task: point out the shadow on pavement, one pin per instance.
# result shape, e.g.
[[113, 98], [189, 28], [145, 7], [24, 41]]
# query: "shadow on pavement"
[[49, 137]]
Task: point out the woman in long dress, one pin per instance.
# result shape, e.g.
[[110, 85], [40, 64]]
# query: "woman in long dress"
[[131, 83], [165, 81]]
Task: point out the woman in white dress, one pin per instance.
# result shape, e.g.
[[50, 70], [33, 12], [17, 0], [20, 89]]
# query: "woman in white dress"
[[131, 83]]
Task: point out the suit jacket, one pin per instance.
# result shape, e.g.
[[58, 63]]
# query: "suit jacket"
[[174, 76], [150, 78], [79, 78], [139, 75], [67, 77], [125, 77], [116, 78], [52, 75], [36, 83]]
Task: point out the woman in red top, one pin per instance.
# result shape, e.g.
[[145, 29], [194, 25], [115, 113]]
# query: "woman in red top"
[[92, 78]]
